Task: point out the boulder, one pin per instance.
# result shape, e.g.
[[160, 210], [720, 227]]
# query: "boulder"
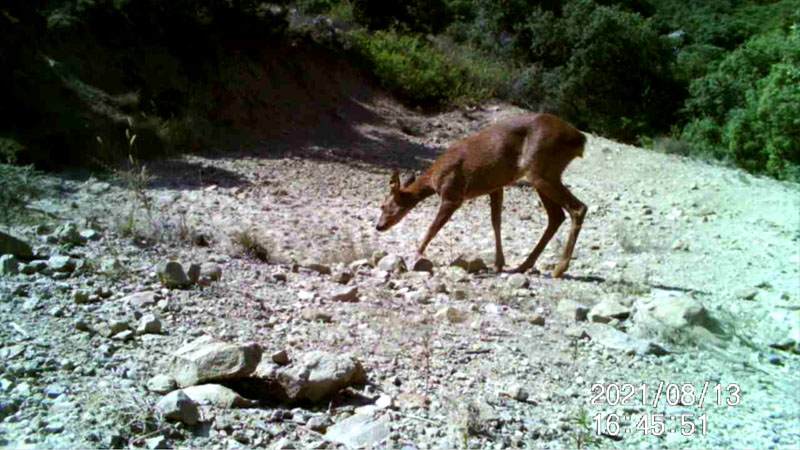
[[171, 275], [317, 375], [422, 265], [518, 281], [392, 263], [346, 294], [68, 234], [177, 406], [607, 310], [149, 324], [161, 384], [610, 337], [61, 263], [217, 395], [359, 430], [141, 300], [205, 360]]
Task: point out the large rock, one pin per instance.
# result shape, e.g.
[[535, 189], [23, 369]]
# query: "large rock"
[[359, 430], [171, 274], [346, 294], [12, 245], [141, 299], [61, 263], [149, 324], [68, 234], [676, 312], [470, 262], [205, 360], [317, 375], [392, 263], [610, 337], [178, 406], [518, 281], [161, 384], [422, 265], [217, 395], [666, 313], [607, 310]]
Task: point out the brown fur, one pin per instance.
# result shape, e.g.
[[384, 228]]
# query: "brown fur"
[[536, 146]]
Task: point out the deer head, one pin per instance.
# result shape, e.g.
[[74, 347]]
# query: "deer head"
[[397, 204]]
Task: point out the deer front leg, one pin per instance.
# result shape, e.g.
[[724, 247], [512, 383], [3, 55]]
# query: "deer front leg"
[[446, 210], [496, 202]]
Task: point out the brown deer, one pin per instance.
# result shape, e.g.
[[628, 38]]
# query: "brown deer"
[[537, 146]]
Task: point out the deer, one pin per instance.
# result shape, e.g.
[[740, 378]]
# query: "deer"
[[536, 146]]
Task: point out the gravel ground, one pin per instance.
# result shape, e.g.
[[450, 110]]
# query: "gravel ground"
[[482, 360]]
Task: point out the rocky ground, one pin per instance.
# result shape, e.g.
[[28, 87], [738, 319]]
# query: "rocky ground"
[[244, 299]]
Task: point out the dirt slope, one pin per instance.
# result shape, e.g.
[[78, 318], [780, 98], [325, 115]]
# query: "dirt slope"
[[659, 227]]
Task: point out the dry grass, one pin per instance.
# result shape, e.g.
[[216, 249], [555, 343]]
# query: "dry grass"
[[128, 410], [254, 243]]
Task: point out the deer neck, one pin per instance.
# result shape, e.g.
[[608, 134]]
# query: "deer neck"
[[419, 190]]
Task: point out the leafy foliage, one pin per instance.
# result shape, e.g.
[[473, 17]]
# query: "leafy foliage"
[[764, 135], [603, 68], [747, 110], [419, 16], [412, 68]]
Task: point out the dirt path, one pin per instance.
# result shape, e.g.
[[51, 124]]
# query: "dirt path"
[[659, 228]]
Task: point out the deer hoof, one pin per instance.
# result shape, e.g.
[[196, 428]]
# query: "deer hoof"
[[561, 267]]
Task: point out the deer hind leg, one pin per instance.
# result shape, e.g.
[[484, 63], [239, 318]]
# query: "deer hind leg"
[[559, 194], [555, 217], [496, 202]]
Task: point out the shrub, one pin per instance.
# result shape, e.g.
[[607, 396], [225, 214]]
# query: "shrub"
[[704, 135], [724, 89], [765, 134], [411, 68], [748, 108], [603, 68]]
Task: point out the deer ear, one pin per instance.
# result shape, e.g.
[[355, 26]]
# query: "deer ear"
[[409, 179], [395, 182]]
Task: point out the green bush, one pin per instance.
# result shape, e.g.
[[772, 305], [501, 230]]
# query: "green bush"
[[748, 109], [764, 136], [603, 68], [705, 136], [410, 67], [723, 90]]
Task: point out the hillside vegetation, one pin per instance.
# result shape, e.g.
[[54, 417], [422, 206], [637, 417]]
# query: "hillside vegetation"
[[715, 79]]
